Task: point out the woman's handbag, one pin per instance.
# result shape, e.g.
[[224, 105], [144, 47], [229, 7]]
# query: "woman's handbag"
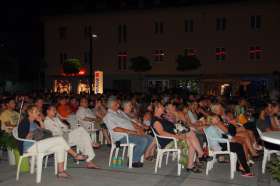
[[40, 134]]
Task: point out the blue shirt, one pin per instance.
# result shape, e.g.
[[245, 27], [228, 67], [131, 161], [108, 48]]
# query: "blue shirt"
[[213, 132]]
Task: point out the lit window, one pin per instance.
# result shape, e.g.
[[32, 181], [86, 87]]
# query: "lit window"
[[255, 53], [220, 54], [158, 55]]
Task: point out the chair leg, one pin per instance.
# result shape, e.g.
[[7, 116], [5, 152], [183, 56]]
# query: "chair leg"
[[117, 152], [178, 161], [78, 151], [123, 152], [56, 165], [130, 155], [160, 160], [111, 154], [39, 168], [142, 159], [32, 165], [101, 137], [166, 158], [46, 161], [18, 168], [65, 160], [157, 161], [232, 161], [265, 156]]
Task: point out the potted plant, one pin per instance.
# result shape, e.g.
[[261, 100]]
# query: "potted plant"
[[274, 168], [7, 141]]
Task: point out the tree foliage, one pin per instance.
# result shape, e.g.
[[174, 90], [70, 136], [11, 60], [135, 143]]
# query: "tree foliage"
[[185, 62], [140, 64], [71, 66]]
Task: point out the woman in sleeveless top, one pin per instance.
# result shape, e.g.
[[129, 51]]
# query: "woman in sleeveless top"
[[164, 127]]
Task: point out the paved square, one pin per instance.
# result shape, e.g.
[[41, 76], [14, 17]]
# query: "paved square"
[[145, 176]]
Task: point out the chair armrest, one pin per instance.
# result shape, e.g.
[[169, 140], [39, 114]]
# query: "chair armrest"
[[124, 134], [172, 138], [222, 140]]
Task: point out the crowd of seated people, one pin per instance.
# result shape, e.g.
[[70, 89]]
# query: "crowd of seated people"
[[70, 118]]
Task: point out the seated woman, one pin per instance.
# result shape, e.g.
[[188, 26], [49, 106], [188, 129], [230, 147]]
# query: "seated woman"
[[239, 133], [219, 130], [188, 142], [274, 120], [78, 136], [55, 144]]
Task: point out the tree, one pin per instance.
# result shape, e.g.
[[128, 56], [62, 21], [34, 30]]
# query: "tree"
[[185, 62], [140, 64], [71, 66]]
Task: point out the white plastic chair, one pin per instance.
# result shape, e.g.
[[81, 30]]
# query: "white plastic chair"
[[129, 146], [164, 151], [266, 153], [213, 153], [39, 158]]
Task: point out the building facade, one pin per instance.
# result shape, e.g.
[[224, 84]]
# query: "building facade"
[[236, 44]]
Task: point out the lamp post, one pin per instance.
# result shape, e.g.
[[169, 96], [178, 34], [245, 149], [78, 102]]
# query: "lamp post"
[[91, 36]]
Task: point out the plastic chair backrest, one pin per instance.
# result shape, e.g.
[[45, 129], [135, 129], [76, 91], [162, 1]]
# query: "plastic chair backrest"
[[156, 136], [260, 132]]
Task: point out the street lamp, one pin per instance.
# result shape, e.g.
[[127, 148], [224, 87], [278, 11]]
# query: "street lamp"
[[91, 36]]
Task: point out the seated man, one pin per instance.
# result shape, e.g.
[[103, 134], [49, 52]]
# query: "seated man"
[[116, 122], [9, 117], [86, 118]]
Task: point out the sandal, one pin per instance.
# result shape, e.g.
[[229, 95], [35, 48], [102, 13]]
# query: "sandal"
[[63, 175], [80, 157], [194, 170], [248, 174], [149, 158], [90, 165]]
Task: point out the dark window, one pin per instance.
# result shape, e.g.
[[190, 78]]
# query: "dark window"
[[161, 28], [86, 57], [87, 31], [62, 57], [220, 54], [122, 33], [221, 24], [158, 55], [188, 25], [62, 32], [255, 53], [190, 52], [158, 27], [122, 60], [255, 22]]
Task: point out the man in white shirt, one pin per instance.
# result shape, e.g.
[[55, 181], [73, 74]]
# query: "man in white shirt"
[[117, 124]]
